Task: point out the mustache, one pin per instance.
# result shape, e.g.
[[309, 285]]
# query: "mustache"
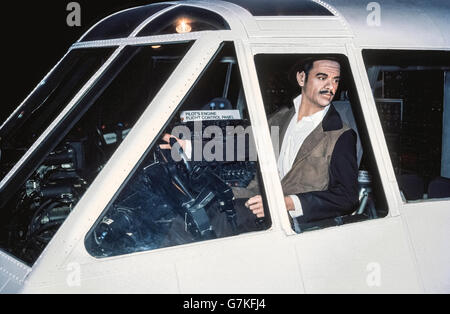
[[324, 92]]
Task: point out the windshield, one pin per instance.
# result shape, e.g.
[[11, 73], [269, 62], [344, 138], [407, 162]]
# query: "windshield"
[[19, 133], [42, 193]]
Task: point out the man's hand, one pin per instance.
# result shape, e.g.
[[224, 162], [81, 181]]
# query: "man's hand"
[[290, 206], [166, 138], [255, 204]]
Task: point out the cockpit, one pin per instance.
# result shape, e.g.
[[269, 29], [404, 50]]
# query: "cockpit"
[[93, 128]]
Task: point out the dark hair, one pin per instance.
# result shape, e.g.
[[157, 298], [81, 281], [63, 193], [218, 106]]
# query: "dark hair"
[[307, 64]]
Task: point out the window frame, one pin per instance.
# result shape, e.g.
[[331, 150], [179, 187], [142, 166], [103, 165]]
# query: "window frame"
[[165, 115], [368, 109], [144, 134], [74, 103], [395, 186], [159, 127]]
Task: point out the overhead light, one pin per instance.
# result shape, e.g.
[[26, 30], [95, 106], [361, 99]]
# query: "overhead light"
[[156, 46], [183, 26]]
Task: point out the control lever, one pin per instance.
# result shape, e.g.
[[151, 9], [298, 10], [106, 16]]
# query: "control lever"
[[224, 193], [180, 152], [226, 201], [195, 210], [196, 218]]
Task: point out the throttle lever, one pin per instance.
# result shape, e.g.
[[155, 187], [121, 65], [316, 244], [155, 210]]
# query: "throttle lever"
[[173, 141]]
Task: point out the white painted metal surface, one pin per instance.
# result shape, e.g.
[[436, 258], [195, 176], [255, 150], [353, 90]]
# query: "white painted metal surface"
[[408, 249]]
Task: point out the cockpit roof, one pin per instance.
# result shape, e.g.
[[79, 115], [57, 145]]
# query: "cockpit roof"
[[131, 21], [283, 7], [405, 24]]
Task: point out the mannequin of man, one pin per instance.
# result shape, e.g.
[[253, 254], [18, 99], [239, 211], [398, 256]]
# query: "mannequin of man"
[[317, 163]]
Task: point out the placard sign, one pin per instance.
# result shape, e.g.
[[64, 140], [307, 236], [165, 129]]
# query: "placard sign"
[[210, 115]]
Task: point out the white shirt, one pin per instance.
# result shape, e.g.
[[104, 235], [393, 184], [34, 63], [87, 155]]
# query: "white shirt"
[[296, 134]]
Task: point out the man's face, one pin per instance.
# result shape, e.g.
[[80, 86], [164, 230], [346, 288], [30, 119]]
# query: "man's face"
[[322, 83]]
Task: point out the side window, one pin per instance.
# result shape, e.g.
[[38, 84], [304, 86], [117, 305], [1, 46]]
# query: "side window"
[[412, 93], [69, 160], [325, 159], [185, 195]]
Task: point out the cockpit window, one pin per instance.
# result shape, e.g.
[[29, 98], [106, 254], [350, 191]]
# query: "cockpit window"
[[328, 197], [37, 200], [180, 195], [124, 23], [46, 103], [185, 19], [412, 94]]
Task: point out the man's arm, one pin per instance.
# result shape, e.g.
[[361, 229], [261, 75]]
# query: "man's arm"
[[341, 197]]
